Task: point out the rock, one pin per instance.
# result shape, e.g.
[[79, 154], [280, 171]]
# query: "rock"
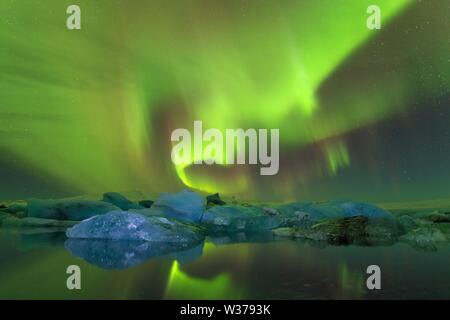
[[122, 254], [342, 231], [407, 222], [146, 203], [119, 201], [383, 231], [301, 233], [16, 208], [299, 219], [37, 223], [214, 199], [425, 237], [3, 216], [306, 214], [238, 218], [438, 218], [185, 205], [271, 211], [284, 232], [3, 206], [75, 210], [120, 225]]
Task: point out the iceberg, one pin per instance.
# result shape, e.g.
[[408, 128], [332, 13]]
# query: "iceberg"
[[185, 205], [239, 218], [120, 201], [75, 210], [119, 225]]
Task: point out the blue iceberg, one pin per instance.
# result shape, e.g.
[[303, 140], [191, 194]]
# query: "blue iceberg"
[[185, 205], [119, 225]]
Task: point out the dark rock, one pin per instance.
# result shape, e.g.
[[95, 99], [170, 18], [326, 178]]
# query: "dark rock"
[[307, 212], [146, 203], [407, 222], [214, 199], [36, 223], [284, 232], [298, 219], [185, 205], [425, 238], [4, 216], [438, 218], [16, 208], [74, 210], [120, 225], [342, 231], [383, 231], [271, 211], [120, 201]]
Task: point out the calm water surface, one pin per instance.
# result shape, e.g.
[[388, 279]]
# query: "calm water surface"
[[33, 265]]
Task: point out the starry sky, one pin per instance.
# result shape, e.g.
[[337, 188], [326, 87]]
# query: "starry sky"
[[363, 114]]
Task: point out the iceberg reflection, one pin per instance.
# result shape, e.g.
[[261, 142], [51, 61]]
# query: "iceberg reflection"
[[122, 254]]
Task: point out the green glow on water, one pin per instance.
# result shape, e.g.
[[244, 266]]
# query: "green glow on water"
[[182, 286]]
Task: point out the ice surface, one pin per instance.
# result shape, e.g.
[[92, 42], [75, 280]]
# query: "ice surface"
[[239, 218], [120, 201], [120, 225], [185, 205], [75, 210]]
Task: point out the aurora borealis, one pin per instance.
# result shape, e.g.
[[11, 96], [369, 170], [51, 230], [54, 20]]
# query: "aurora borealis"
[[362, 114]]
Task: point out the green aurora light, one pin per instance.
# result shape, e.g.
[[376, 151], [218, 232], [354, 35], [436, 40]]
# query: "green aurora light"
[[92, 110]]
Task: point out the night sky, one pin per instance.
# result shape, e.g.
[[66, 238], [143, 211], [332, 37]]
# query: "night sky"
[[363, 114]]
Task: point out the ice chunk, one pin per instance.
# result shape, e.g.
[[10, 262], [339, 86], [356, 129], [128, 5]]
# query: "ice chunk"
[[353, 209], [75, 210], [121, 225], [120, 201], [185, 205], [239, 218]]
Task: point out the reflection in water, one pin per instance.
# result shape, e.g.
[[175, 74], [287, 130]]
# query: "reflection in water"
[[33, 265], [351, 284], [122, 254], [182, 286]]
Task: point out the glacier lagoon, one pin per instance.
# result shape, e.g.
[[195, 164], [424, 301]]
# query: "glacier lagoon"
[[183, 247]]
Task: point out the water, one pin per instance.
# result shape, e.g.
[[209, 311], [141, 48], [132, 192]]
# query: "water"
[[33, 266]]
